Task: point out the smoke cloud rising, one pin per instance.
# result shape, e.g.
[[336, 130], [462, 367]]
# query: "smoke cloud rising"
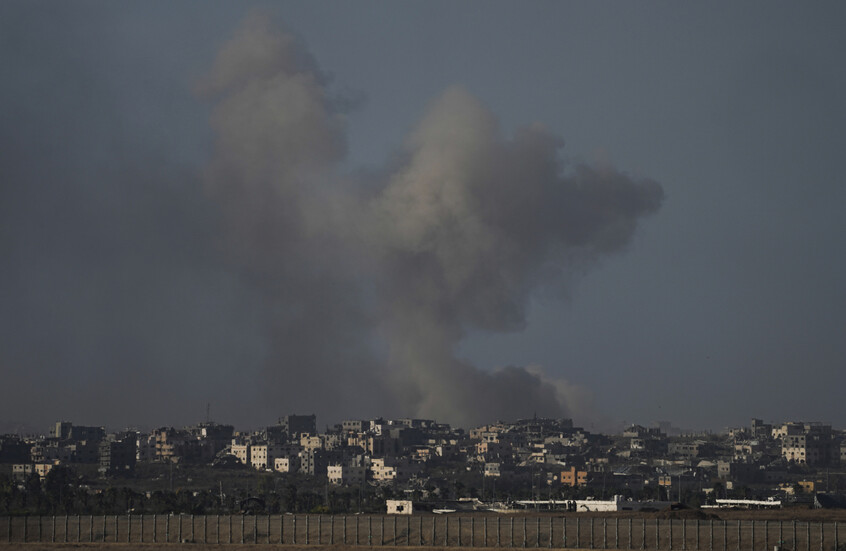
[[372, 285], [137, 288]]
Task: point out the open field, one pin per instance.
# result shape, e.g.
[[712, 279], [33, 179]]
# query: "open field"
[[652, 531]]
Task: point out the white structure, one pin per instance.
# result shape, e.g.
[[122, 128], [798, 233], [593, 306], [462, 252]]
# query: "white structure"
[[617, 503], [745, 504], [399, 506], [289, 464]]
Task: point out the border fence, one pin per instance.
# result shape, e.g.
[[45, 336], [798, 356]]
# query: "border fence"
[[550, 531]]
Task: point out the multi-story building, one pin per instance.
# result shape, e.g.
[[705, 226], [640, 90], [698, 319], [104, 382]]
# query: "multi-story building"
[[118, 455], [296, 425], [574, 477], [346, 474], [263, 456], [286, 464], [241, 451]]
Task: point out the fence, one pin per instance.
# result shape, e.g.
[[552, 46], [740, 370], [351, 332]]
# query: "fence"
[[430, 530]]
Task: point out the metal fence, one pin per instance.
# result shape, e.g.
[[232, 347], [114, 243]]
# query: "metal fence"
[[430, 530]]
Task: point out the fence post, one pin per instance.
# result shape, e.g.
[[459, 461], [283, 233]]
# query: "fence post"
[[26, 517], [794, 535], [591, 532], [90, 529], [433, 529], [9, 529], [242, 529], [657, 533], [179, 528], [511, 535], [836, 540], [643, 535], [307, 529], [578, 531], [40, 529], [604, 533], [381, 530], [739, 533], [524, 531], [229, 516], [725, 535], [155, 528], [822, 535], [670, 533], [128, 528], [808, 535], [282, 529], [780, 533], [711, 535], [684, 534], [142, 528], [116, 528], [167, 528], [66, 528], [217, 528], [294, 530], [459, 531], [472, 531], [537, 533], [319, 527], [564, 532], [104, 527], [255, 529], [205, 529], [766, 534], [752, 546], [697, 534], [551, 528]]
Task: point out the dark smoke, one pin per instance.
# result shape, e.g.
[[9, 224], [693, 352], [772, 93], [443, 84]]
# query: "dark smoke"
[[135, 289], [454, 239]]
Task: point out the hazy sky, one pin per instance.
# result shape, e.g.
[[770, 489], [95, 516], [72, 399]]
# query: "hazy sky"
[[612, 211]]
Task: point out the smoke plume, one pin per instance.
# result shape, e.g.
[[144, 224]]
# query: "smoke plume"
[[368, 287]]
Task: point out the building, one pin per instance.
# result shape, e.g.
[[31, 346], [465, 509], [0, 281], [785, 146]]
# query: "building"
[[390, 469], [242, 452], [263, 456], [295, 425], [813, 448], [287, 464], [346, 474], [573, 477], [118, 456], [399, 506]]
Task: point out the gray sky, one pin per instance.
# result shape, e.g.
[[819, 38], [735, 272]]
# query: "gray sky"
[[171, 235]]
